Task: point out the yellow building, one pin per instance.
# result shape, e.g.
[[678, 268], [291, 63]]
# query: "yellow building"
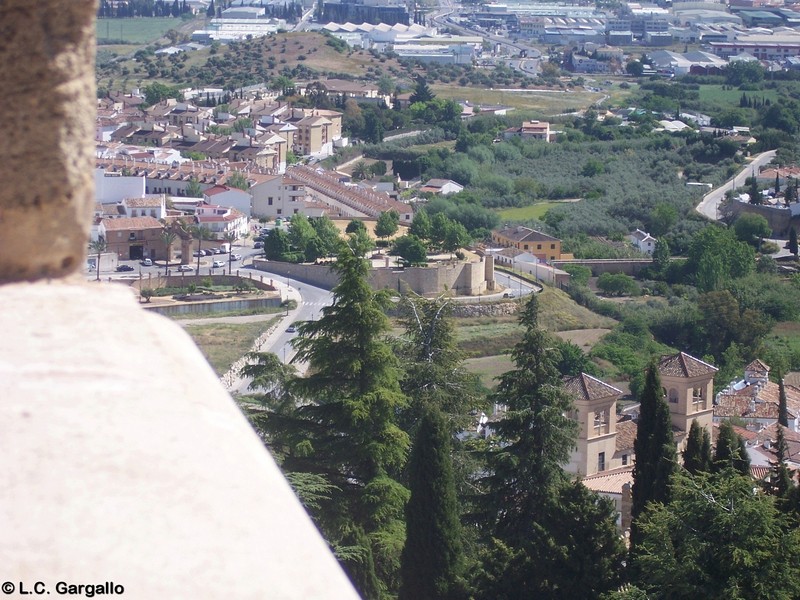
[[541, 245]]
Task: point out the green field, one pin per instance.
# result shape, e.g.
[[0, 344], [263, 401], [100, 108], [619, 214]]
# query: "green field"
[[135, 31], [524, 213], [224, 343], [715, 94], [546, 102]]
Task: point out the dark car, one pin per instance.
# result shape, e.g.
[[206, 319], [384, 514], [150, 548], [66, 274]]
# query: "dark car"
[[124, 268], [258, 245]]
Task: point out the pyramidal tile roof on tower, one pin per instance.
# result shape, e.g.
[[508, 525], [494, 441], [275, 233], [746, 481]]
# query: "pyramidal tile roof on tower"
[[586, 387], [684, 365]]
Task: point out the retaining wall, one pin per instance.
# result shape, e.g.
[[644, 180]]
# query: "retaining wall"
[[629, 266], [464, 278]]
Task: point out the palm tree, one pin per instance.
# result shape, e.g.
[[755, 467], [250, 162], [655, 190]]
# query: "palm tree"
[[230, 237], [199, 233], [168, 237], [99, 246]]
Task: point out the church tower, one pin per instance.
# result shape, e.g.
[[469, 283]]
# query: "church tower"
[[596, 413], [688, 386]]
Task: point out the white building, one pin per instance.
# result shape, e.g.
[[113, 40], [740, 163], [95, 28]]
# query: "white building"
[[643, 241], [221, 220], [229, 197], [280, 196]]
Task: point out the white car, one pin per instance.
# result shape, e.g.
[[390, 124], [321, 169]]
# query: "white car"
[[147, 262], [185, 268], [217, 263], [236, 256]]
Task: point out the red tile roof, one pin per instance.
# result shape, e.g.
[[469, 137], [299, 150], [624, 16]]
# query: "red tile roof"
[[684, 365], [626, 435], [586, 387], [132, 223], [610, 482]]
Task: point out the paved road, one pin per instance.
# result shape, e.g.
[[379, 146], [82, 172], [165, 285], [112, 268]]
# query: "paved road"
[[310, 301], [709, 206]]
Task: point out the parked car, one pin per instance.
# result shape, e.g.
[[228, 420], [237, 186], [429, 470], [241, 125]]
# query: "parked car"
[[185, 268], [124, 268], [199, 253], [217, 263], [147, 262], [216, 251], [258, 245]]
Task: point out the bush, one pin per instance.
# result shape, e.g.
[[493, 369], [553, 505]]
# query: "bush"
[[617, 284]]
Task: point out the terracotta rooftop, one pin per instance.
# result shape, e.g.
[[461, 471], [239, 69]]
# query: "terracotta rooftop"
[[368, 202], [586, 387], [684, 365], [759, 366], [626, 435], [132, 223], [610, 482], [146, 202], [521, 233]]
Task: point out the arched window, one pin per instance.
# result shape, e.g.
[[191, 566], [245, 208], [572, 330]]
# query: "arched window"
[[673, 396]]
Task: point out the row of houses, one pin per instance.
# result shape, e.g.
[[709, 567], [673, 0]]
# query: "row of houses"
[[274, 129]]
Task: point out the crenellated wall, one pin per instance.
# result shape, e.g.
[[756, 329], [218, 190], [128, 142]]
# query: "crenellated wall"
[[464, 278]]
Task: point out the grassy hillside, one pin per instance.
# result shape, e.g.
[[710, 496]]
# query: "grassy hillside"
[[299, 55]]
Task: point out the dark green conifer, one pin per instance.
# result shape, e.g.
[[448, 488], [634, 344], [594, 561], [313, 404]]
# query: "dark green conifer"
[[730, 451], [654, 448], [432, 559], [697, 455]]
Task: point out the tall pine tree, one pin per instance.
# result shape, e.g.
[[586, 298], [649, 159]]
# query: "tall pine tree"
[[344, 427], [654, 448], [433, 364], [534, 436], [432, 560], [697, 455], [549, 536]]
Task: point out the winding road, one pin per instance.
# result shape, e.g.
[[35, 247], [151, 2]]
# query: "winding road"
[[709, 205]]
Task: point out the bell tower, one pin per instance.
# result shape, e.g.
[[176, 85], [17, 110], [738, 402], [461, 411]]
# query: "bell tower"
[[688, 384], [596, 413]]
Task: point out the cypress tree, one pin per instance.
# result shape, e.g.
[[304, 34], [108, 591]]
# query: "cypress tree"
[[780, 483], [432, 559], [654, 448], [793, 247], [434, 372], [755, 196], [783, 413], [731, 451], [697, 455]]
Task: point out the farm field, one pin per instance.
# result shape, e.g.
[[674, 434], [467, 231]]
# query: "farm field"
[[717, 95], [545, 102], [137, 31], [524, 213]]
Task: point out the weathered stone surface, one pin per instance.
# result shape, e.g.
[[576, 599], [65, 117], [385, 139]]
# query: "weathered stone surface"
[[46, 158], [495, 309]]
